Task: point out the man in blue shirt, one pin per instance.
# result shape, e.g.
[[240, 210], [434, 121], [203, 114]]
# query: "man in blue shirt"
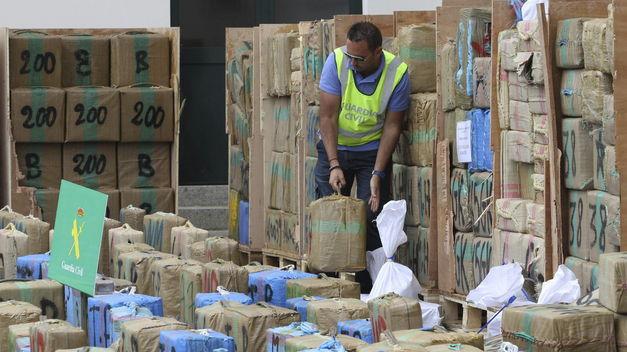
[[364, 93]]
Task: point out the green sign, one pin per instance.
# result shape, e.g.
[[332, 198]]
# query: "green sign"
[[77, 236]]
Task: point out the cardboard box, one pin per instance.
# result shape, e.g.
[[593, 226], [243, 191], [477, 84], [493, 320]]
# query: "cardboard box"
[[34, 59], [40, 164], [421, 131], [38, 114], [149, 199], [579, 231], [595, 49], [140, 57], [595, 86], [570, 92], [604, 222], [146, 114], [568, 45], [464, 267], [92, 114], [461, 200], [142, 165], [481, 203], [417, 49], [85, 60], [578, 154], [92, 165], [520, 116], [612, 281]]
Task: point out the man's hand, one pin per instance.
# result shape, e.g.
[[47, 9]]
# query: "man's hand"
[[336, 179], [375, 184]]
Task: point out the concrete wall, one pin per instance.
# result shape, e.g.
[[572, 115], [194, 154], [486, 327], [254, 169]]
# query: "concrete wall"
[[85, 13], [386, 7]]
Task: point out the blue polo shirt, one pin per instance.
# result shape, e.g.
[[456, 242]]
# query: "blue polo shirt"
[[330, 83]]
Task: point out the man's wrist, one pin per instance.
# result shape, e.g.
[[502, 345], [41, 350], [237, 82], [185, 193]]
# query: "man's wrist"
[[333, 162], [380, 174]]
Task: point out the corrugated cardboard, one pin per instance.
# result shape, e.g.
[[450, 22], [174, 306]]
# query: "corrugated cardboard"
[[520, 146], [327, 313], [579, 231], [481, 73], [530, 35], [278, 58], [511, 214], [460, 192], [15, 312], [323, 286], [595, 49], [143, 334], [13, 244], [149, 199], [482, 258], [559, 328], [158, 228], [140, 57], [481, 203], [449, 66], [464, 267], [92, 114], [34, 59], [568, 43], [40, 164], [37, 232], [52, 334], [38, 114], [417, 49], [185, 235], [578, 154], [92, 165], [520, 116], [222, 248], [46, 294], [338, 234], [604, 212], [230, 276], [392, 312], [136, 265], [570, 92], [595, 86], [421, 133], [429, 338], [85, 60], [118, 236], [146, 114], [612, 281], [133, 216], [166, 274]]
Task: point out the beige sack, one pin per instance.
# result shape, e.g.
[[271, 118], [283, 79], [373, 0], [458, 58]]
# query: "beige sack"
[[511, 214], [327, 313], [143, 334], [392, 312], [187, 234], [323, 286], [218, 272]]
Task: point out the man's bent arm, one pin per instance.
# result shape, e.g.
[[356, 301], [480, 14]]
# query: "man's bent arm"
[[391, 131], [329, 109]]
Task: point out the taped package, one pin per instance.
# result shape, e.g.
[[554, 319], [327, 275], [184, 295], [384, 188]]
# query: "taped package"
[[117, 236], [338, 234], [464, 269], [520, 116], [279, 50], [220, 273], [76, 306], [595, 87], [207, 299], [399, 182], [568, 43], [271, 286], [158, 228], [537, 99], [587, 274], [86, 60], [327, 313], [195, 340], [450, 126], [508, 47], [281, 232], [243, 230], [530, 67], [578, 156], [595, 49], [16, 312], [511, 214], [38, 115], [120, 249], [360, 329], [217, 247], [7, 215], [604, 213], [156, 123], [185, 235], [460, 192], [13, 244], [449, 66], [92, 114], [282, 182], [580, 234], [135, 267], [482, 82], [517, 89], [424, 194], [37, 232], [166, 275], [143, 334], [53, 335], [401, 151], [284, 135], [38, 45], [571, 92], [480, 134], [481, 203], [300, 304], [606, 177], [510, 178], [212, 316], [536, 219], [323, 286], [530, 35], [473, 24], [520, 146], [416, 45], [612, 279], [30, 266], [421, 131], [140, 57], [482, 258], [559, 327], [392, 312]]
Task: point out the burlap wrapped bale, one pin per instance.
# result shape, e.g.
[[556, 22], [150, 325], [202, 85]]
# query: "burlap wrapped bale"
[[133, 216], [143, 334], [534, 254], [587, 274], [604, 165], [413, 195], [296, 80], [52, 334], [511, 214], [29, 267], [158, 228], [538, 188], [595, 85], [386, 346], [323, 286], [540, 152], [508, 47], [449, 66], [429, 338], [7, 215], [37, 231], [530, 67], [392, 312], [571, 92], [482, 258], [310, 180], [142, 165], [520, 116], [604, 220], [13, 244], [312, 116], [191, 284], [578, 158], [568, 43], [185, 235], [399, 182], [248, 324], [424, 195], [166, 274], [464, 255], [283, 138], [610, 171], [136, 269], [520, 146], [612, 281], [559, 328], [417, 49], [140, 57], [518, 88], [609, 120], [125, 248], [117, 236], [195, 251], [222, 248], [537, 99], [38, 114], [421, 128], [536, 219], [29, 50], [313, 343], [595, 49], [471, 32], [105, 245], [579, 232], [279, 70], [460, 191], [620, 330], [195, 340], [212, 316], [480, 199], [327, 313], [419, 257], [15, 312], [226, 274], [540, 129], [529, 35], [481, 82], [338, 234], [507, 247], [282, 177]]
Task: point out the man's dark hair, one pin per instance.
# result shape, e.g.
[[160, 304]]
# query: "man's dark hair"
[[365, 31]]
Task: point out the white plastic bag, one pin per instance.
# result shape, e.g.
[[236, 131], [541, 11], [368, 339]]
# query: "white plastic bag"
[[562, 288], [430, 315], [501, 283], [529, 11], [394, 277], [374, 261]]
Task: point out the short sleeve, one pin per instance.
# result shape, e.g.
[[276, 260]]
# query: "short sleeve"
[[399, 101], [329, 81]]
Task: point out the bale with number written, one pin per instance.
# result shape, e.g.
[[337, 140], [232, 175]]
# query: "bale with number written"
[[86, 60], [37, 114], [34, 59], [92, 114], [146, 114], [140, 57]]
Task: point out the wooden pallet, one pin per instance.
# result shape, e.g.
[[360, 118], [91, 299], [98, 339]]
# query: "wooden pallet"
[[458, 312], [248, 255], [280, 259]]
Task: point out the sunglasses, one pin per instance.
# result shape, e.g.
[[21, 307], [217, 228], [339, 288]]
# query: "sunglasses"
[[355, 57]]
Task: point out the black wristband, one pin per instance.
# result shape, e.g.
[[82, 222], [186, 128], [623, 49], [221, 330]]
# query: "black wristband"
[[334, 167]]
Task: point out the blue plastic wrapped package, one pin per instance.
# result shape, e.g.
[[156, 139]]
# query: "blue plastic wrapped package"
[[29, 266], [76, 301], [244, 208], [473, 40], [359, 329], [204, 340], [276, 337], [101, 328], [481, 152], [207, 299], [271, 286], [332, 345], [299, 304]]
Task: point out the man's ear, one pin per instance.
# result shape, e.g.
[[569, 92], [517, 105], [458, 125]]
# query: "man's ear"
[[378, 50]]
